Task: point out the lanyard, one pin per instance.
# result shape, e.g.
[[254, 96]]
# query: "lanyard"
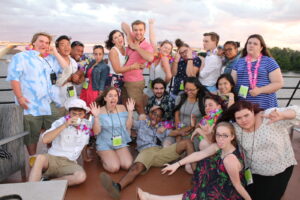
[[112, 123], [252, 146], [253, 78]]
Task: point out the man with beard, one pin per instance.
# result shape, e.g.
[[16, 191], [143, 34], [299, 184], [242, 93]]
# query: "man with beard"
[[162, 99]]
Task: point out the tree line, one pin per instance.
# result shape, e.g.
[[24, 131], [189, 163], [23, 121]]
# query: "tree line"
[[288, 59]]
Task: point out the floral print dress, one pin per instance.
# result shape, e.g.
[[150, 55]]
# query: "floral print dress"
[[212, 182]]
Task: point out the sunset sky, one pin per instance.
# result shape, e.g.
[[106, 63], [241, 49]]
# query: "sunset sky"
[[90, 21]]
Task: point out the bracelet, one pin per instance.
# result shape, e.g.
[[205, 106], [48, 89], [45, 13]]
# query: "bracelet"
[[179, 163], [190, 59]]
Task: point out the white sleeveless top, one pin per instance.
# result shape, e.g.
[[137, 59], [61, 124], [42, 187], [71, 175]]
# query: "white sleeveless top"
[[157, 72], [122, 60]]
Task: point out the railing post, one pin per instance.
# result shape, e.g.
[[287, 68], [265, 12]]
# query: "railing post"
[[294, 92]]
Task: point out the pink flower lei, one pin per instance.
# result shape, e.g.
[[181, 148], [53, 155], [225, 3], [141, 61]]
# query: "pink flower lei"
[[82, 127]]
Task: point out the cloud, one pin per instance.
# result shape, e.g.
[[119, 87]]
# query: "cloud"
[[92, 20]]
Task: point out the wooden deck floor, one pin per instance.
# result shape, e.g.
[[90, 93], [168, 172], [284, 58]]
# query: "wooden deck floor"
[[153, 181]]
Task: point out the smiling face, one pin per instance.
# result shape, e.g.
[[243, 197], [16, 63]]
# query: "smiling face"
[[138, 31], [155, 117], [230, 51], [64, 47], [77, 52], [254, 47], [41, 44], [211, 105], [224, 86], [183, 52], [245, 118], [158, 90], [191, 90], [166, 49], [118, 39], [111, 98], [77, 113], [224, 137]]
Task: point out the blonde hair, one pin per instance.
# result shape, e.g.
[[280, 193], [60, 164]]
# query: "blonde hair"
[[36, 35]]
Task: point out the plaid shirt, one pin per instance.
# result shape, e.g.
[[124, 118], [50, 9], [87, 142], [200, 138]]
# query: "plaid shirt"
[[167, 103]]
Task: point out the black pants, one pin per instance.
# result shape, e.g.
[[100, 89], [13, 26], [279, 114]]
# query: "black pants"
[[269, 187]]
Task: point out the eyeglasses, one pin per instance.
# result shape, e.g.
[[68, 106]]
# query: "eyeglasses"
[[190, 90], [182, 52], [222, 136], [229, 49]]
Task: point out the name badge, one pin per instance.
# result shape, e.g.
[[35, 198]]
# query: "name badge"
[[150, 84], [116, 141], [248, 176], [243, 91], [71, 91], [85, 84], [181, 87]]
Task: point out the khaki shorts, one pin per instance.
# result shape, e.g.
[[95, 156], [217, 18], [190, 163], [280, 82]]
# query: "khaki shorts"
[[157, 156], [134, 90], [60, 166], [34, 124]]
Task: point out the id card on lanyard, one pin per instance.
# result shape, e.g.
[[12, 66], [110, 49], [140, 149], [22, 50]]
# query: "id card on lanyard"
[[243, 91]]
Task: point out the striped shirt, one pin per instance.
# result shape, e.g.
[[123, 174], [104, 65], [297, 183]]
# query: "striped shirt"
[[267, 65]]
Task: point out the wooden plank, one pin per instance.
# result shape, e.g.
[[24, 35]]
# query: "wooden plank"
[[54, 190], [7, 140]]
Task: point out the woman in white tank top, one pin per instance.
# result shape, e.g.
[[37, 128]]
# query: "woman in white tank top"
[[117, 59], [160, 66]]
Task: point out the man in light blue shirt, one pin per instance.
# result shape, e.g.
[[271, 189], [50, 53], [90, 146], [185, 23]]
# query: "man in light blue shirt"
[[33, 75]]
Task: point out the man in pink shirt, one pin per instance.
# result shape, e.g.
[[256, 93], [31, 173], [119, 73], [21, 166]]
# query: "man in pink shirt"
[[139, 51]]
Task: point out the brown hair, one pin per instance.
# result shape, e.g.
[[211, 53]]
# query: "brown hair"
[[264, 51], [138, 22], [35, 36], [100, 100], [167, 42], [229, 115], [214, 36], [231, 129], [179, 43]]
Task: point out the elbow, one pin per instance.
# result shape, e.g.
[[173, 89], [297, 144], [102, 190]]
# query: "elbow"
[[150, 58], [45, 141]]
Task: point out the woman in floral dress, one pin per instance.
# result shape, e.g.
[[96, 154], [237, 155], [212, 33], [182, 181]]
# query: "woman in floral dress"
[[218, 177]]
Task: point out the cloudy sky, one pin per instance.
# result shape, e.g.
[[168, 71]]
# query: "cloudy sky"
[[91, 21]]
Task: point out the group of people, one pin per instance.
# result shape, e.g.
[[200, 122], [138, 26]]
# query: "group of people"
[[220, 113]]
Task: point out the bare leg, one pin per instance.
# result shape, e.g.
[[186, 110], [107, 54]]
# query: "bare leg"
[[31, 148], [125, 158], [135, 170], [110, 160], [139, 105], [41, 163], [147, 196], [186, 145], [74, 179]]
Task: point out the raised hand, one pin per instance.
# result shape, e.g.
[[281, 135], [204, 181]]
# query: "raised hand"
[[170, 168], [195, 133], [130, 104], [274, 116], [207, 129], [95, 110], [151, 21]]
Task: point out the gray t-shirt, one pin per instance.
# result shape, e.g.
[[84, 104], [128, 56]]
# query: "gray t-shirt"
[[187, 109]]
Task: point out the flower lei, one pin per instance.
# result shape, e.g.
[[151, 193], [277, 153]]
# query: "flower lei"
[[30, 47], [84, 61], [211, 118], [81, 127], [159, 56]]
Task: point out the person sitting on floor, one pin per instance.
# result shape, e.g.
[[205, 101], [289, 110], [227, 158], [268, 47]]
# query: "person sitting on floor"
[[151, 153], [68, 135]]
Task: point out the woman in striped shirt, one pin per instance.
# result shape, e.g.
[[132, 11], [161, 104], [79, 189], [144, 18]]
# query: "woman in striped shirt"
[[256, 74]]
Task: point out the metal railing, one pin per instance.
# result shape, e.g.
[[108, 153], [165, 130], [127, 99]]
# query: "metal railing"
[[290, 98]]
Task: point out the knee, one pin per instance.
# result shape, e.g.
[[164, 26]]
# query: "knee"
[[137, 168], [112, 167], [80, 177], [127, 164], [40, 160]]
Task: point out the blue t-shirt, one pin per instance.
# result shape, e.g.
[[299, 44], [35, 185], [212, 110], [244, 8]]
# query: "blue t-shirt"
[[267, 65]]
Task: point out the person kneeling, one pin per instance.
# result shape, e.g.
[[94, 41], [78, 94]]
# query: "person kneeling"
[[68, 136]]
